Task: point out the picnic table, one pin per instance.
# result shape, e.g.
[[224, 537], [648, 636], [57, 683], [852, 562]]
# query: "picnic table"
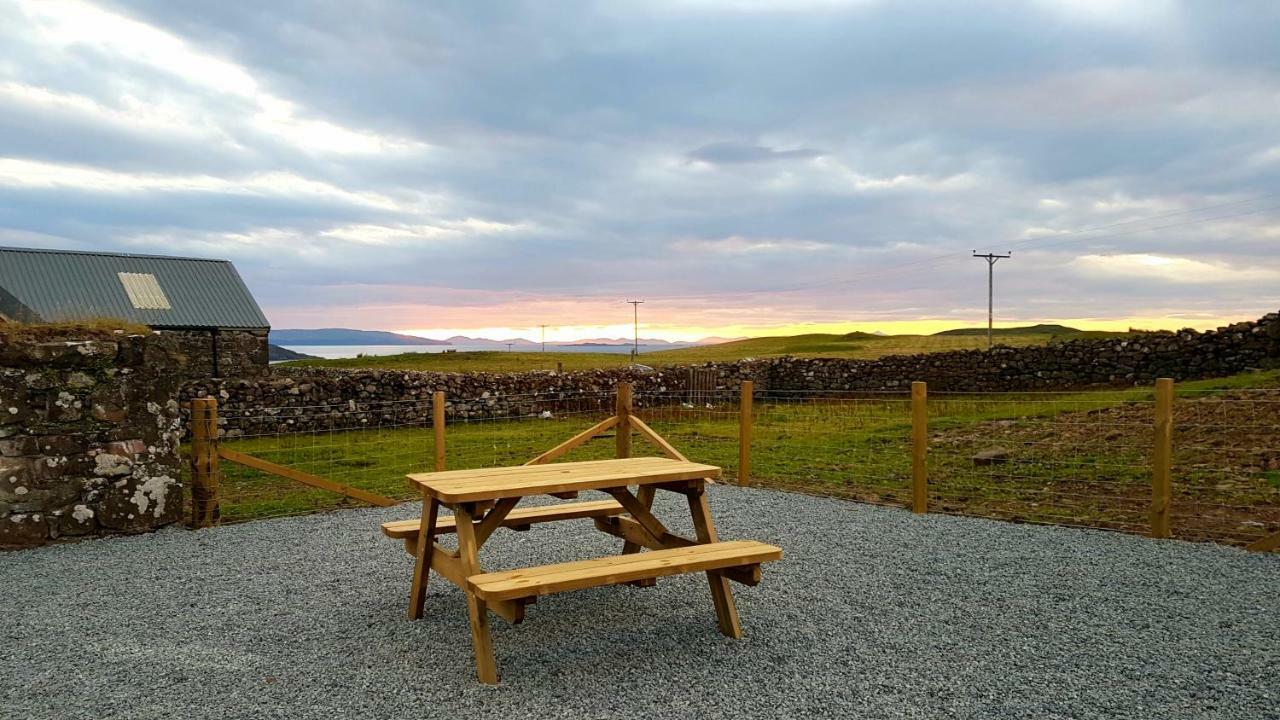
[[484, 500]]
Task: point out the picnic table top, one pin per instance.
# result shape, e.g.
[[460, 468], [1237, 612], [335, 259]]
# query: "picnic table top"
[[459, 486]]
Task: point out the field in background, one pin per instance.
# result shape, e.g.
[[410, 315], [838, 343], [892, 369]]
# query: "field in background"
[[863, 346], [1069, 458]]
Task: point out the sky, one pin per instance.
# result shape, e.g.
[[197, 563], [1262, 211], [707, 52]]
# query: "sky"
[[745, 167]]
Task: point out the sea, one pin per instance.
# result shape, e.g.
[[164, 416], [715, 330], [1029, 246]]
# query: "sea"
[[350, 351]]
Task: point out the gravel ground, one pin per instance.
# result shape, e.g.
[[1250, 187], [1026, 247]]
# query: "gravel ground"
[[872, 613]]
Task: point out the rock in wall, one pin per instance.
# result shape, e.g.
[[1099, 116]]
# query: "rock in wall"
[[89, 434]]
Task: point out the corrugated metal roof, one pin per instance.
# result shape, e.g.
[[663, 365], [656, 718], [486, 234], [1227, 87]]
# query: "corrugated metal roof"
[[63, 285]]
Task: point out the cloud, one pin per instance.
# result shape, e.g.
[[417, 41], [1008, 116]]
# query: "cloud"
[[730, 153], [737, 245], [810, 161], [1171, 269]]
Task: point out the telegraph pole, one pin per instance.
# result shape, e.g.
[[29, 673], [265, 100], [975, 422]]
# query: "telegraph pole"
[[991, 259], [635, 306], [544, 338]]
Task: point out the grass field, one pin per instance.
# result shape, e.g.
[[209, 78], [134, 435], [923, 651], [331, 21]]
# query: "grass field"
[[853, 345], [1075, 458]]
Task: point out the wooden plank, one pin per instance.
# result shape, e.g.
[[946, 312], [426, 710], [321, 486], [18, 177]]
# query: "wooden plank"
[[584, 466], [304, 478], [667, 448], [645, 497], [640, 512], [437, 427], [521, 516], [477, 610], [721, 595], [632, 531], [205, 473], [622, 410], [618, 569], [1161, 460], [422, 557], [494, 519], [919, 447], [1266, 544], [561, 478], [522, 474], [450, 568], [580, 439], [746, 395]]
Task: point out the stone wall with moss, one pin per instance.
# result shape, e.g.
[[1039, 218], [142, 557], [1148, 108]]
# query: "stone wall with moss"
[[89, 428]]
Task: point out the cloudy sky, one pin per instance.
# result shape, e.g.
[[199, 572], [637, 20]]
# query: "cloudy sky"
[[744, 166]]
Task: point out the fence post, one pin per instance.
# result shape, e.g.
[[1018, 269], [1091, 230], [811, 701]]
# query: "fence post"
[[744, 432], [437, 425], [919, 447], [1161, 461], [205, 474], [622, 409]]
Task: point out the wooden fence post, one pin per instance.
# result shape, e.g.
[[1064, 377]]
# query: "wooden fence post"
[[622, 409], [744, 431], [919, 447], [437, 425], [1161, 461], [205, 474]]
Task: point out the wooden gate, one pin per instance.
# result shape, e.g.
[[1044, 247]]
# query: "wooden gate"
[[702, 386]]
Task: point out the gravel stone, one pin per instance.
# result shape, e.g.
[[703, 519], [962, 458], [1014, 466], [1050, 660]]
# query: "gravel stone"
[[872, 613]]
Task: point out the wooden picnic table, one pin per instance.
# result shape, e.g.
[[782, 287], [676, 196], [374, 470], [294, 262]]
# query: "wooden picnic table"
[[483, 500]]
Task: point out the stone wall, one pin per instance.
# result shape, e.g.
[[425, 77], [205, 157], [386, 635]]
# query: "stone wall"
[[221, 353], [299, 399], [89, 432], [1133, 360]]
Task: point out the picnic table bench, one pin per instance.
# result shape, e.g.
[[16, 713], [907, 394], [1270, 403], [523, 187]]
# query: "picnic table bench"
[[485, 499]]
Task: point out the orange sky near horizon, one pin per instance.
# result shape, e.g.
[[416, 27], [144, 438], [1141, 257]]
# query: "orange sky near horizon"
[[678, 333]]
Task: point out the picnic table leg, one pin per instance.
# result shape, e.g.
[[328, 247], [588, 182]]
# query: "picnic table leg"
[[726, 609], [477, 609], [645, 496], [422, 555]]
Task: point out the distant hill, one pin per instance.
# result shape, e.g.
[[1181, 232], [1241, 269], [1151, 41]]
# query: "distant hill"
[[275, 353], [347, 336], [1005, 332]]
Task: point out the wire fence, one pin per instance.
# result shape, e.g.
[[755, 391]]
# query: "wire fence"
[[1079, 459]]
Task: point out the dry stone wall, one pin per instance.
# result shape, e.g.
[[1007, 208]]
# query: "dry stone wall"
[[303, 399], [89, 433], [1133, 360]]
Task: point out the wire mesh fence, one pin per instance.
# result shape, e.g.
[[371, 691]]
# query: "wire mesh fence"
[[372, 445], [1226, 464], [1076, 458], [843, 444]]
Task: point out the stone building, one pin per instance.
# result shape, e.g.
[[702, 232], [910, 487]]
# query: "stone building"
[[203, 304]]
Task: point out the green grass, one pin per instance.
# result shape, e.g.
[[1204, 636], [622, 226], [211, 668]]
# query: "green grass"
[[852, 345]]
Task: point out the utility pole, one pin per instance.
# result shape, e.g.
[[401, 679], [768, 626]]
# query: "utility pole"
[[991, 259], [635, 306], [509, 346], [544, 338]]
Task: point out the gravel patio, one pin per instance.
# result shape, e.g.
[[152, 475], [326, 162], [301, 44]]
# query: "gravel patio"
[[872, 613]]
